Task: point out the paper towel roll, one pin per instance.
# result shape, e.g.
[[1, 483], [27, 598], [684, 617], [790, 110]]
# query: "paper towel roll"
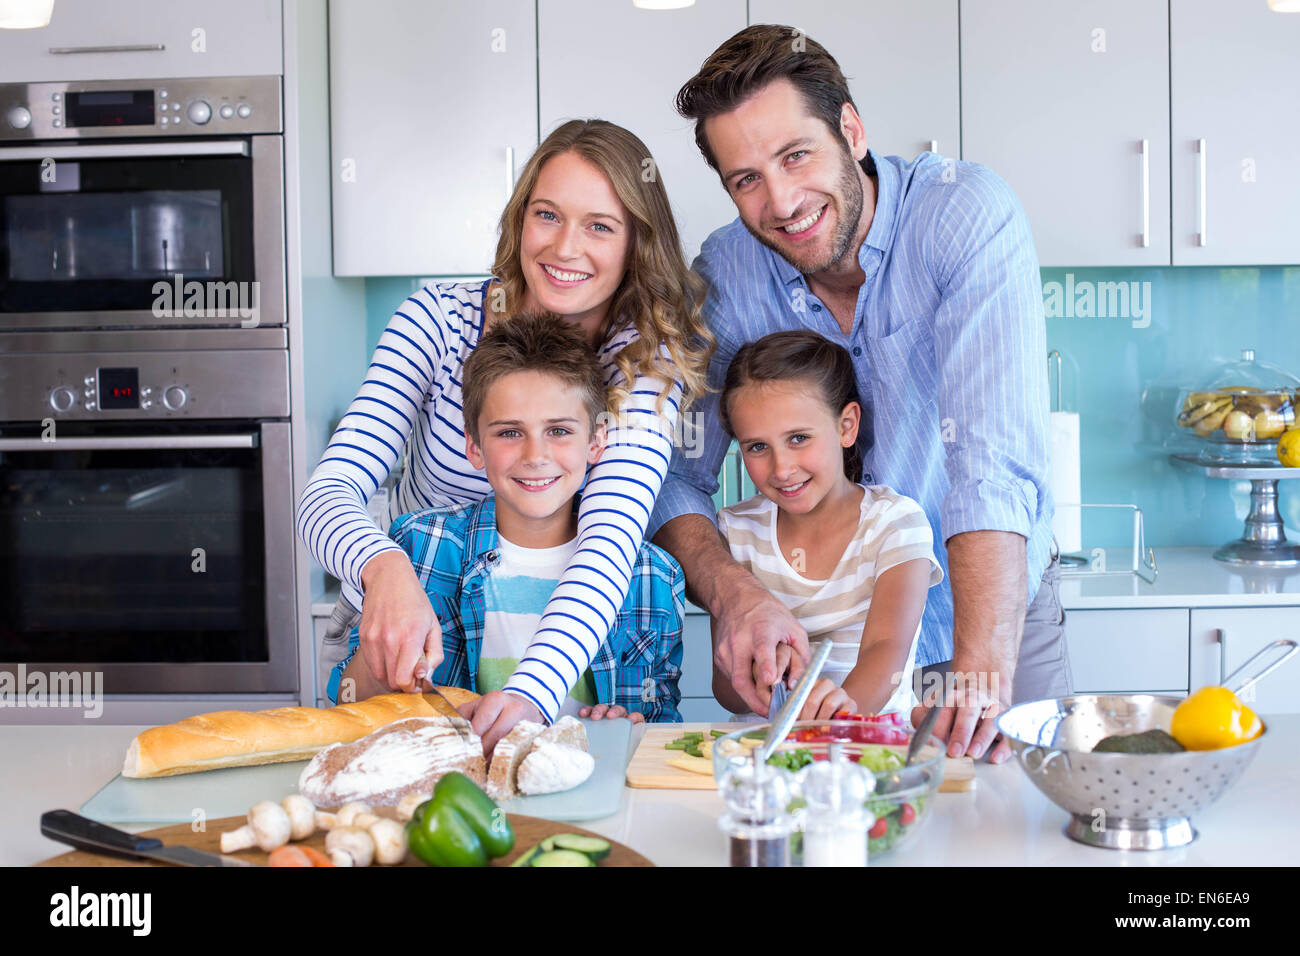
[[1065, 482]]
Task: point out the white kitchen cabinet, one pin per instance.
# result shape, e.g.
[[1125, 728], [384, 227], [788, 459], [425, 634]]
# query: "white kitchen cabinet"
[[617, 62], [901, 61], [198, 38], [1236, 133], [433, 109], [1121, 651], [1223, 639], [1059, 98]]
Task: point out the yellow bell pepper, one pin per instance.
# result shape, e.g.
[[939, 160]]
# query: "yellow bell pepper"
[[1213, 718]]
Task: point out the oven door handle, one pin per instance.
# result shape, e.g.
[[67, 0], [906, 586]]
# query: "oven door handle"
[[129, 442], [125, 150]]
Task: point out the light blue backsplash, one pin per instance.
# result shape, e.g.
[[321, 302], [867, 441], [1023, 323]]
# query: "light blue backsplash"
[[1122, 375]]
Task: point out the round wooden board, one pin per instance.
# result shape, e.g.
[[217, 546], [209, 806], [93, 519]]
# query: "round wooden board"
[[528, 832]]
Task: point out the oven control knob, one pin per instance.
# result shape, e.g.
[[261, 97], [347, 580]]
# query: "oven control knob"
[[175, 397], [199, 112], [19, 117], [62, 398]]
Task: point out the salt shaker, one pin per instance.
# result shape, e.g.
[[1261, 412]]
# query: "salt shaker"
[[758, 822], [836, 820]]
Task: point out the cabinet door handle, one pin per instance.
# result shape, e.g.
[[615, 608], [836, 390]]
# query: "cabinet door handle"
[[123, 48], [510, 172], [1221, 638], [934, 146], [1201, 238], [1145, 239]]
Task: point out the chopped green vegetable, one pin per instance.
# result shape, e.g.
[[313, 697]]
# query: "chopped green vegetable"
[[879, 758], [791, 759], [563, 858]]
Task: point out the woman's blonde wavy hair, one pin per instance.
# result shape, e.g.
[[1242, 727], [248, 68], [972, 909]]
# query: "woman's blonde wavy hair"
[[659, 294]]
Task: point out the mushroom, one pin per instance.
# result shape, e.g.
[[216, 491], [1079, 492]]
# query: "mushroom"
[[350, 846], [325, 820], [406, 808], [302, 816], [365, 821], [348, 813], [390, 841], [268, 827]]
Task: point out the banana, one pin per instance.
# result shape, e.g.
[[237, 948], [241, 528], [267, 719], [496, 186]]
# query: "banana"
[[1190, 417]]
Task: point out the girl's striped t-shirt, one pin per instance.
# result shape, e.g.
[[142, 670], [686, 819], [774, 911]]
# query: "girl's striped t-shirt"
[[891, 530], [410, 404]]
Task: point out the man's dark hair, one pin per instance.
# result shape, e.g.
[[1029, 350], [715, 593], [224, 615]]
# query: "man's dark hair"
[[749, 61]]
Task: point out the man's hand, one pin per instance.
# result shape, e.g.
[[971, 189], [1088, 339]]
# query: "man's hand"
[[610, 712], [987, 569], [749, 633], [401, 640], [495, 714]]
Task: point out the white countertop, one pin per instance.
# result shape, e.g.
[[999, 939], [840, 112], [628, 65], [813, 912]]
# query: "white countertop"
[[1004, 822], [1188, 577]]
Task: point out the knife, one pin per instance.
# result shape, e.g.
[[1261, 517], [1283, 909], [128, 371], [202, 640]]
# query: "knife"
[[785, 717], [461, 725], [93, 837]]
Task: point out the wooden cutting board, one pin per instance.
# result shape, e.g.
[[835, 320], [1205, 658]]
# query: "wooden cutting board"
[[649, 767], [528, 832]]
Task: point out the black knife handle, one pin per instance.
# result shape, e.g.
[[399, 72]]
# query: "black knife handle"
[[86, 834]]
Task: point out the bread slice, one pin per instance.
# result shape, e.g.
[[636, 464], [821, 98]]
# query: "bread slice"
[[510, 751], [567, 731], [237, 738], [551, 767]]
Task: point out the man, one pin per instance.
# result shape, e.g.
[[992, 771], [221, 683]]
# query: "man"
[[926, 272]]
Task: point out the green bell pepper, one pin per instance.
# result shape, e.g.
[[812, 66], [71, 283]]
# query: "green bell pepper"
[[459, 826]]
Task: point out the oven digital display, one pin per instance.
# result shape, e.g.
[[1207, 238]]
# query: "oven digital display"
[[119, 388], [110, 108]]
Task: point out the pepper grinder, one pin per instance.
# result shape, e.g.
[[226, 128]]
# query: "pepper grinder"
[[758, 822], [836, 820]]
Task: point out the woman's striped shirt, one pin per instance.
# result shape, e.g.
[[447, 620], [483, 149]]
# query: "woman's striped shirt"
[[411, 399]]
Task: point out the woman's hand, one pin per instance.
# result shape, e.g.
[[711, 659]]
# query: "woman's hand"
[[609, 712], [401, 640]]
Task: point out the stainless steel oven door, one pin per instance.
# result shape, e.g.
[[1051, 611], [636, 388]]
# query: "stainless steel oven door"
[[144, 233], [162, 558]]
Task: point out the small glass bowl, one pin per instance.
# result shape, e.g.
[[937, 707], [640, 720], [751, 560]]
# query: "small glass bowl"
[[902, 794]]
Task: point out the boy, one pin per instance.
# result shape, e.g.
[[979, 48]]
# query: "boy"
[[531, 400]]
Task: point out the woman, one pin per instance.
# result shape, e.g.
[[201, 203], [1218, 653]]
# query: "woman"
[[584, 236]]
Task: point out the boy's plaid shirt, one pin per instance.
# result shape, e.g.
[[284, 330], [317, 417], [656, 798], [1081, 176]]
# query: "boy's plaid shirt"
[[637, 667]]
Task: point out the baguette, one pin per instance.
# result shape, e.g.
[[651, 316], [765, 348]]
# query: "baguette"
[[237, 738]]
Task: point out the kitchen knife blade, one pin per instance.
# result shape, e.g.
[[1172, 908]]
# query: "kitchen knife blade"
[[462, 726], [790, 709], [94, 837]]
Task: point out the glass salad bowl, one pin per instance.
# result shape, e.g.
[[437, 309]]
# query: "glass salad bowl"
[[1240, 415], [902, 798]]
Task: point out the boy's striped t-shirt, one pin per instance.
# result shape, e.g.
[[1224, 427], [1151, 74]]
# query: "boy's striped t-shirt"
[[891, 530], [514, 596]]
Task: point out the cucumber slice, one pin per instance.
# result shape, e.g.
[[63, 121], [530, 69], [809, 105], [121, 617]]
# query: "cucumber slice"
[[547, 845], [592, 847], [563, 858], [527, 858]]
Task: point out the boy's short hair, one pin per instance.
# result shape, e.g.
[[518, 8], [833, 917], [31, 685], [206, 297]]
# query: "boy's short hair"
[[532, 343]]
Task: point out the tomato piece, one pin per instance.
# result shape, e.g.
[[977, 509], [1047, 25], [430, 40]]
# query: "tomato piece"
[[908, 816], [879, 828]]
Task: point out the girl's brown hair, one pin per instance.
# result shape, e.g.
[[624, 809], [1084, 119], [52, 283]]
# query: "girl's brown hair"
[[659, 294], [802, 356]]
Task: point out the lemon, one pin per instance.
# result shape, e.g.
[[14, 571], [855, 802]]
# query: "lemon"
[[1213, 718], [1288, 448]]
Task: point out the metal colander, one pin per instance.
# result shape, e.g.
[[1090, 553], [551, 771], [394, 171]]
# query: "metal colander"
[[1117, 800]]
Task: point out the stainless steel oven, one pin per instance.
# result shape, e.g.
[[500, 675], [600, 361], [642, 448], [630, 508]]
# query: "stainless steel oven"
[[115, 193], [150, 535]]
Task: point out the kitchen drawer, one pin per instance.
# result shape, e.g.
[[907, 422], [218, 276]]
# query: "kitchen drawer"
[[1222, 640], [697, 655], [702, 708], [1128, 650], [199, 38]]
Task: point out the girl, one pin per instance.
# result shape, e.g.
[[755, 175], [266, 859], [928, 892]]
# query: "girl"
[[584, 236], [849, 560]]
